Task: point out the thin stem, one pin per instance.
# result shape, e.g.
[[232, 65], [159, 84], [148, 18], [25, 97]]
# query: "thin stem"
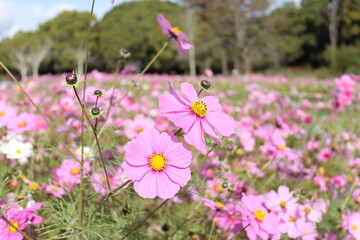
[[117, 71], [137, 79], [239, 232], [22, 89], [199, 92], [81, 197], [16, 228], [177, 133], [343, 206], [212, 228], [96, 138], [146, 218]]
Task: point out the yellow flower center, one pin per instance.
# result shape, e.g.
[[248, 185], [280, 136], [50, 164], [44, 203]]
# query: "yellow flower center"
[[34, 186], [282, 147], [306, 232], [75, 171], [53, 189], [283, 204], [18, 151], [354, 227], [22, 124], [157, 162], [219, 189], [2, 113], [307, 210], [219, 204], [321, 171], [291, 219], [199, 108], [41, 123], [11, 228], [260, 215], [107, 180], [139, 129], [176, 30]]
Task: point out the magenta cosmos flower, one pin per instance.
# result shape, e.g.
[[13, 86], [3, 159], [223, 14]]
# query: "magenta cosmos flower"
[[196, 116], [157, 163], [180, 38]]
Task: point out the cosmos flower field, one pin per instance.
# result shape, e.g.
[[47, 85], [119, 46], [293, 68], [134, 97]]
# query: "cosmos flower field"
[[148, 156]]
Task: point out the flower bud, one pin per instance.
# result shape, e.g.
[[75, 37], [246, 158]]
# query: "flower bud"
[[71, 79], [95, 111], [205, 84], [165, 227], [98, 93]]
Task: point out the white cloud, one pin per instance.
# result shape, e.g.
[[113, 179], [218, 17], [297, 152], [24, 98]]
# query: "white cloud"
[[6, 17], [43, 14]]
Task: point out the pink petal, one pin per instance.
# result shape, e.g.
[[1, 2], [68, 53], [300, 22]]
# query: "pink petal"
[[139, 150], [178, 156], [195, 136], [135, 172], [164, 24], [178, 175], [146, 187], [165, 188], [189, 92], [208, 129], [212, 103], [222, 122], [168, 103], [173, 92], [184, 120]]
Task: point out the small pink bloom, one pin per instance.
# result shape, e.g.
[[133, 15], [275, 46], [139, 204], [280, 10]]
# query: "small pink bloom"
[[98, 180], [325, 155], [139, 124], [69, 172], [196, 116], [157, 163], [54, 190], [178, 37]]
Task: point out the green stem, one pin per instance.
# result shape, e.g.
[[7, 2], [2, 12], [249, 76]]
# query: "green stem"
[[146, 218], [23, 90], [239, 232], [349, 195], [212, 228]]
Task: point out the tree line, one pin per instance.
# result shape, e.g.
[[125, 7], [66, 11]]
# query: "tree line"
[[230, 36]]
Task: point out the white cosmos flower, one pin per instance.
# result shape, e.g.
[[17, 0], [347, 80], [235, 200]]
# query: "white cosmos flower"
[[88, 152], [15, 149]]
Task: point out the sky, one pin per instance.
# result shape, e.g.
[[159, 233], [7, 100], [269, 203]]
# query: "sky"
[[26, 15]]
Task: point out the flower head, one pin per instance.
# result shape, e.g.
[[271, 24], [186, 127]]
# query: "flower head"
[[157, 163], [196, 116], [175, 33]]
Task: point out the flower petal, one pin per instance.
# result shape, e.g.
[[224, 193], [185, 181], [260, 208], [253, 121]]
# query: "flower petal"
[[189, 92], [177, 96], [165, 188], [146, 187], [212, 104], [222, 122], [195, 136], [135, 172], [178, 175]]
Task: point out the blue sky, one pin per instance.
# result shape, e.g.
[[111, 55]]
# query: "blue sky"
[[26, 15]]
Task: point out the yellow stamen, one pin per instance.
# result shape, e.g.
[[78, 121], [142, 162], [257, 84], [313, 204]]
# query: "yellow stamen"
[[307, 210], [219, 204], [219, 189], [18, 151], [260, 215], [291, 219], [176, 30], [283, 204], [321, 171], [2, 113], [34, 186], [53, 189], [139, 129], [41, 123], [11, 228], [354, 227], [199, 108], [306, 232], [282, 147], [157, 162], [22, 124], [75, 171]]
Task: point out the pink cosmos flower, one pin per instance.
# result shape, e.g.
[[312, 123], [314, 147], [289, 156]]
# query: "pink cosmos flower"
[[157, 163], [282, 203], [19, 219], [21, 123], [115, 179], [261, 222], [325, 155], [351, 222], [54, 190], [180, 38], [7, 113], [69, 172], [134, 127], [196, 116]]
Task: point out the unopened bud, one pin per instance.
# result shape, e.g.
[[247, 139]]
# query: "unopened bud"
[[98, 93], [95, 111], [71, 79], [205, 84]]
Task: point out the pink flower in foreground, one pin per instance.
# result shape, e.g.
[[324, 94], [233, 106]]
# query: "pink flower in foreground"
[[351, 222], [196, 116], [157, 163], [180, 38], [258, 220]]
